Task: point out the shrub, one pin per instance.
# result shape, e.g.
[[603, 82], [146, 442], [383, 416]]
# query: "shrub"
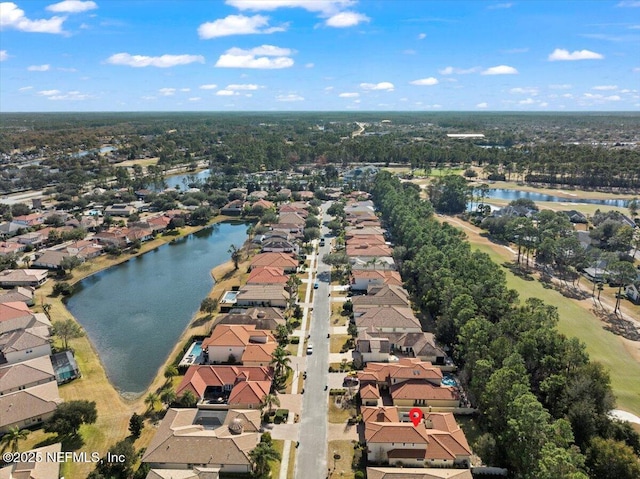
[[63, 288]]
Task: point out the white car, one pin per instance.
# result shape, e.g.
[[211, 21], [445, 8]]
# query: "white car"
[[309, 349]]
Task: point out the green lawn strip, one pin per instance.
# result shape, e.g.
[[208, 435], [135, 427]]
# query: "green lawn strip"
[[337, 342], [278, 445], [602, 346]]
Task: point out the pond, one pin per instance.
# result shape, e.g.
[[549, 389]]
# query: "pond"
[[182, 181], [135, 312], [505, 194]]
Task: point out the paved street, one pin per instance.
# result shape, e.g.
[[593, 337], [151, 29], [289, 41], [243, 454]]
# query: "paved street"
[[311, 458]]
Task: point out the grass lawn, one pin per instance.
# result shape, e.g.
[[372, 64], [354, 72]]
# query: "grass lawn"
[[586, 209], [345, 450], [336, 317], [337, 341], [338, 415], [278, 445], [292, 462], [141, 162], [576, 320], [557, 191]]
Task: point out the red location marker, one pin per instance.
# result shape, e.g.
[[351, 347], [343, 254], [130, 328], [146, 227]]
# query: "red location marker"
[[416, 416]]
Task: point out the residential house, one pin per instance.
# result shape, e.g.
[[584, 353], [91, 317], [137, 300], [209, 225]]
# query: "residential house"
[[35, 469], [52, 259], [407, 383], [19, 293], [13, 309], [384, 295], [11, 247], [263, 295], [417, 473], [264, 204], [373, 239], [235, 387], [389, 319], [32, 219], [9, 229], [377, 346], [361, 280], [113, 237], [261, 318], [24, 337], [120, 209], [370, 263], [34, 239], [366, 250], [258, 195], [243, 344], [277, 260], [359, 230], [26, 374], [436, 441], [291, 208], [267, 275], [84, 249], [23, 277], [233, 208], [633, 292], [576, 216], [291, 219], [279, 245], [192, 439], [28, 407]]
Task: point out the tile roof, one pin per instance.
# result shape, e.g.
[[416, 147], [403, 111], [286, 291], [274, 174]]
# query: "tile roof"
[[388, 317], [281, 260], [417, 389], [198, 378], [417, 473], [383, 295], [25, 373], [267, 275], [27, 403], [236, 335]]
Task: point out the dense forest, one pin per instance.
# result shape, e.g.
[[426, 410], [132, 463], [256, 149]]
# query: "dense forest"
[[543, 404], [587, 150]]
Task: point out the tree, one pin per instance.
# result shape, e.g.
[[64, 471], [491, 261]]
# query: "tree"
[[280, 362], [152, 401], [449, 194], [136, 424], [282, 334], [170, 372], [236, 255], [69, 263], [621, 274], [12, 438], [63, 288], [67, 330], [168, 396], [201, 215], [70, 415], [270, 400], [310, 234], [611, 459], [188, 399], [117, 469], [260, 457], [209, 305]]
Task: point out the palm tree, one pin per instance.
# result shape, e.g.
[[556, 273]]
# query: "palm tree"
[[268, 401], [280, 362], [168, 396], [235, 255], [260, 457], [152, 400], [46, 307], [12, 437], [170, 372]]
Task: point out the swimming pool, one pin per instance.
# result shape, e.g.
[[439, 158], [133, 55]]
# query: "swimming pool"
[[449, 380], [193, 354], [229, 296]]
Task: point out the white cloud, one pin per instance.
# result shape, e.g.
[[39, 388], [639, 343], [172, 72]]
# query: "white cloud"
[[528, 101], [13, 17], [544, 104], [524, 91], [629, 3], [346, 19], [185, 89], [484, 104], [560, 54], [309, 65], [636, 69], [247, 86], [195, 98], [613, 98], [70, 96], [458, 71], [265, 57], [226, 93], [385, 85], [209, 86], [25, 88], [422, 36], [289, 97], [349, 95], [39, 68], [500, 70], [163, 61], [499, 6], [328, 88], [605, 87], [72, 6], [237, 25], [562, 86], [48, 92], [326, 7], [3, 55], [167, 91], [425, 81]]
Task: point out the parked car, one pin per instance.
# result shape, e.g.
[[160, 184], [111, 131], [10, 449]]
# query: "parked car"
[[315, 285], [309, 349]]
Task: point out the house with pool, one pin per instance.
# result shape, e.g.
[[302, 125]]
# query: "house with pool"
[[239, 344]]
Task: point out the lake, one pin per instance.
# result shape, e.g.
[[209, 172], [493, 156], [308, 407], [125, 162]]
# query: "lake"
[[505, 194], [135, 312], [182, 181]]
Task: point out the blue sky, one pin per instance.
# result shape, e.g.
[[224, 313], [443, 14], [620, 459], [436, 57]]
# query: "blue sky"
[[250, 55]]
